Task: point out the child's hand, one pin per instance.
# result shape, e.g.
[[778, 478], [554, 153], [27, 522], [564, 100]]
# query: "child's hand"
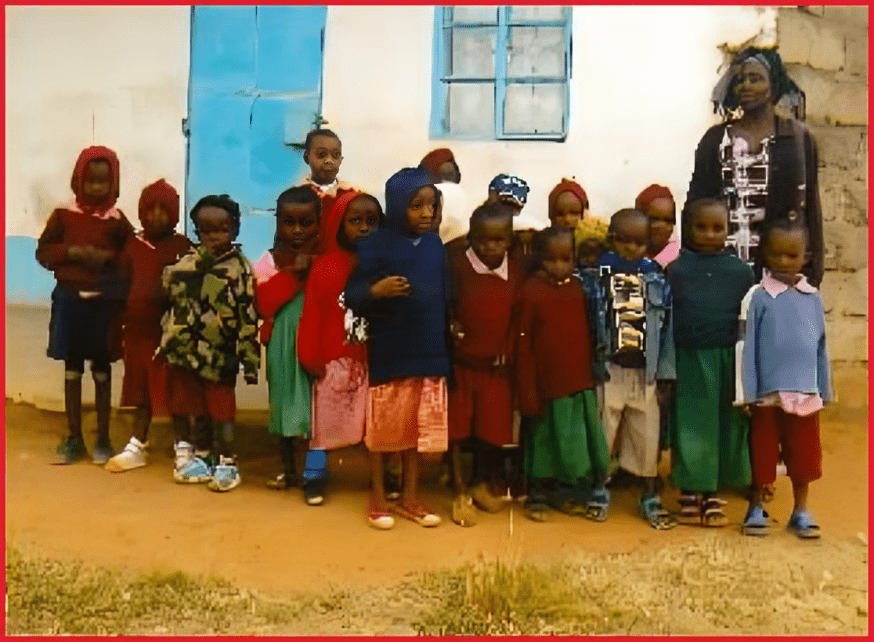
[[748, 409], [455, 329], [319, 373], [89, 254], [664, 392], [390, 287]]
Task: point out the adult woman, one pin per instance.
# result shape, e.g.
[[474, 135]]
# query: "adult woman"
[[764, 165]]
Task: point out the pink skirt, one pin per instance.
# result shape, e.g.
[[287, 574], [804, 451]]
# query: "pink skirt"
[[339, 405], [406, 414]]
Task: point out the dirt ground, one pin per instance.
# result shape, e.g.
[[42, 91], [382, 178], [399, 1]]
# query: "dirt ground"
[[271, 541]]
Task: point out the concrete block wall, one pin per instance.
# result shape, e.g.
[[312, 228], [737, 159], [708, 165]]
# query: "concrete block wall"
[[825, 50]]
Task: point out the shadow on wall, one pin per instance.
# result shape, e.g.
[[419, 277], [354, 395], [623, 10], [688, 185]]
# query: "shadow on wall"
[[27, 282]]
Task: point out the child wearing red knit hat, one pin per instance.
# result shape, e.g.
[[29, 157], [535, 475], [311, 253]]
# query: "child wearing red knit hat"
[[657, 202], [145, 378]]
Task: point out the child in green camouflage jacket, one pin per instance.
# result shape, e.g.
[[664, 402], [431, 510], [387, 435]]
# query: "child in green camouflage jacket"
[[209, 333]]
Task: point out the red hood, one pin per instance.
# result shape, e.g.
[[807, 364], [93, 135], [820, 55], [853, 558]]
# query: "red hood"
[[161, 193], [91, 154]]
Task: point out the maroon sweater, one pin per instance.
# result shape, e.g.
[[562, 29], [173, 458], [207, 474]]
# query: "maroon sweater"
[[66, 228], [483, 306], [146, 262], [553, 355]]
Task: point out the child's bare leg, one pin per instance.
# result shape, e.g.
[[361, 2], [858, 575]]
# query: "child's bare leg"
[[182, 428], [411, 475], [463, 512], [142, 419], [457, 476], [799, 491], [377, 490], [101, 374], [203, 436], [73, 400]]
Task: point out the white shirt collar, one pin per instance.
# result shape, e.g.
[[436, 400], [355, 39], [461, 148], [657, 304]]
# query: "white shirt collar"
[[481, 268], [774, 287]]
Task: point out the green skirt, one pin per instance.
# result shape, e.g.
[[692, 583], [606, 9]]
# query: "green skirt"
[[709, 435], [568, 443], [288, 384]]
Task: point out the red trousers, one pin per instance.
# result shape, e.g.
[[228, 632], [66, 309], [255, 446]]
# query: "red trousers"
[[773, 432], [193, 395]]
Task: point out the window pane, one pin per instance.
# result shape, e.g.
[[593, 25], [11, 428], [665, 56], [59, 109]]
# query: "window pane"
[[470, 52], [536, 51], [534, 109], [488, 15], [471, 109], [518, 14]]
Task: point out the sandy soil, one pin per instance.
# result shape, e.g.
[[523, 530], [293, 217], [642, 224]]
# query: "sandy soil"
[[273, 542]]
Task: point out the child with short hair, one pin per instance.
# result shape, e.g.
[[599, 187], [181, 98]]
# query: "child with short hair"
[[785, 374], [709, 437], [484, 286], [82, 244], [657, 202], [323, 152], [401, 286], [554, 384], [280, 278], [209, 332], [145, 383], [637, 295], [328, 348]]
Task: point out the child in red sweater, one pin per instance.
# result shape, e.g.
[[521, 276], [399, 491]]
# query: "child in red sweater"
[[82, 244], [554, 385], [337, 362], [484, 285], [145, 379]]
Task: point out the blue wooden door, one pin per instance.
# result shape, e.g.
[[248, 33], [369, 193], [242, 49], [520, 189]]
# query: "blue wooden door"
[[254, 93]]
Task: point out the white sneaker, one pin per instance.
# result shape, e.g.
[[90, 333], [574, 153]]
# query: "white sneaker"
[[184, 454], [133, 456]]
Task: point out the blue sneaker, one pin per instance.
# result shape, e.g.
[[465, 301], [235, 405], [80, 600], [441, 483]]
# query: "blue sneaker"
[[226, 476], [102, 452], [197, 471]]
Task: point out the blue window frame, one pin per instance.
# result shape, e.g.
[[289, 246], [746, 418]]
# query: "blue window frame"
[[501, 73]]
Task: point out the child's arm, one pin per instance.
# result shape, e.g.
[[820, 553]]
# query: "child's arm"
[[248, 348], [309, 344], [746, 381], [530, 403], [51, 250], [823, 366]]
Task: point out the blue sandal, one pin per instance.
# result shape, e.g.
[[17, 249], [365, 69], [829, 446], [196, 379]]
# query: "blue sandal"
[[802, 524], [651, 510], [756, 522], [597, 505]]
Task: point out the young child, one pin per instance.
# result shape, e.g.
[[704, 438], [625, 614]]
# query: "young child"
[[325, 349], [280, 277], [785, 373], [209, 332], [657, 202], [82, 244], [323, 152], [568, 204], [145, 379], [554, 384], [401, 286], [631, 396], [484, 285], [709, 437]]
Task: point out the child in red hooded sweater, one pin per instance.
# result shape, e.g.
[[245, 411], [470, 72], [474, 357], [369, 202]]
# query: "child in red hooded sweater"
[[337, 361], [145, 378], [82, 244]]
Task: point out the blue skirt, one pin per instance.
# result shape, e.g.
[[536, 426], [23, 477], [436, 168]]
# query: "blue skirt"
[[84, 329]]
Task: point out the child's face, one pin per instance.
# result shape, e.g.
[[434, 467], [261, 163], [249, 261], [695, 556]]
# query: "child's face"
[[784, 254], [297, 225], [661, 222], [559, 260], [708, 228], [324, 157], [157, 223], [360, 220], [630, 240], [490, 240], [421, 210], [449, 172], [568, 211], [98, 182], [215, 227]]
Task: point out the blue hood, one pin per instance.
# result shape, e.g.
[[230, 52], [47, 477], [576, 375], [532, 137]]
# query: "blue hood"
[[398, 190]]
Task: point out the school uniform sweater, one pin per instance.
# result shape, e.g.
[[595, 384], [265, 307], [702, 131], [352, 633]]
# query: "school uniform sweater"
[[553, 354], [707, 292], [483, 307]]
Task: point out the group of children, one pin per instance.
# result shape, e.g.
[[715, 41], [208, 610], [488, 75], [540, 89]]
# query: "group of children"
[[592, 346]]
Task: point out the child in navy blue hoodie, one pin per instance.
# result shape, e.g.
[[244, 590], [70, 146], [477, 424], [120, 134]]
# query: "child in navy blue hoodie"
[[401, 286]]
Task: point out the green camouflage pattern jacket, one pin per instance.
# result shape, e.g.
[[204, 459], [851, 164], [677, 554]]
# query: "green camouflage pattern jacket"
[[210, 326]]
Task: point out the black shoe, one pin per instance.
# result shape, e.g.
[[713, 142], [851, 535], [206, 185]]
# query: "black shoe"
[[314, 492], [71, 450]]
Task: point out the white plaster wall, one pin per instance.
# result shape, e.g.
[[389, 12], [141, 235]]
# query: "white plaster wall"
[[124, 69], [641, 84]]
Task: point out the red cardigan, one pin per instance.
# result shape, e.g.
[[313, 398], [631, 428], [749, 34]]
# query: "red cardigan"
[[553, 354]]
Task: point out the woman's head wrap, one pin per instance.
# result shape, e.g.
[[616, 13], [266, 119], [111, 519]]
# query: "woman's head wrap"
[[783, 88], [650, 194], [568, 186], [160, 193]]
